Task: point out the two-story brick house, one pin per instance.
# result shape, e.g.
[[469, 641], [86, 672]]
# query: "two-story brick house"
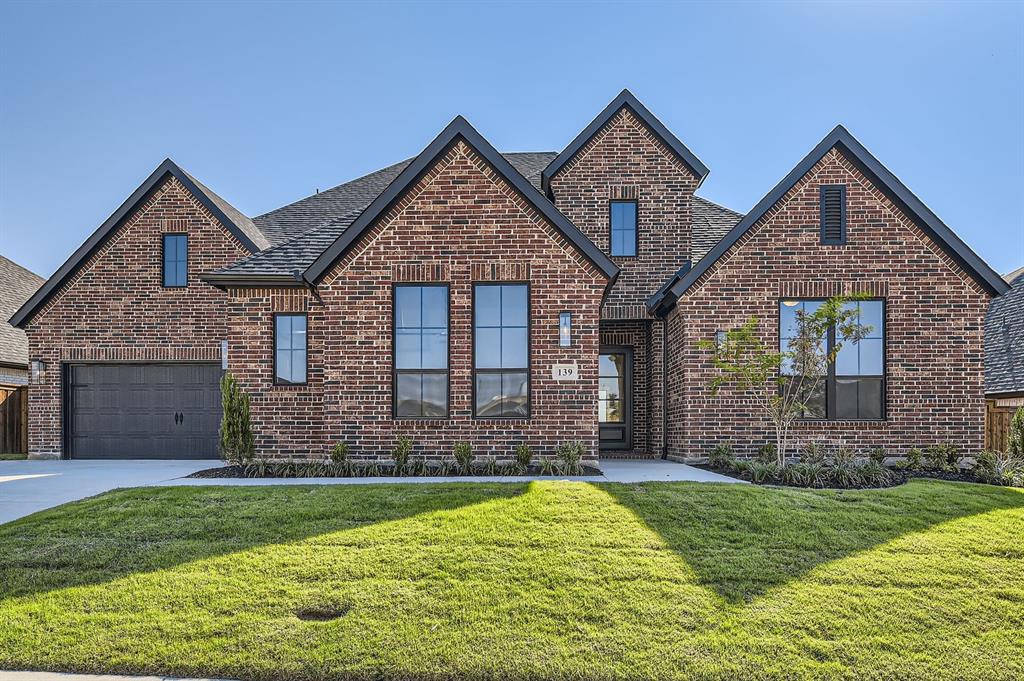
[[467, 295]]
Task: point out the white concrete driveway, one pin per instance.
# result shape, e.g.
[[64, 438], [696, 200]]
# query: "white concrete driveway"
[[30, 486]]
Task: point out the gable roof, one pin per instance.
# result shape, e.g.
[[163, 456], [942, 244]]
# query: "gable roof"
[[17, 285], [458, 129], [882, 178], [232, 219], [320, 209], [1004, 339], [627, 100]]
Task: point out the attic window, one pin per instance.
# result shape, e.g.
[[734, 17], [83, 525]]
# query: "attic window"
[[833, 213]]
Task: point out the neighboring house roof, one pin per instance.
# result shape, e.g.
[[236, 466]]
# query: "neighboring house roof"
[[710, 222], [458, 129], [897, 192], [17, 285], [1004, 339], [232, 219], [626, 100]]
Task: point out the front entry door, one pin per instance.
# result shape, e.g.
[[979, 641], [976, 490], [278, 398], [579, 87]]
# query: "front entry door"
[[615, 397]]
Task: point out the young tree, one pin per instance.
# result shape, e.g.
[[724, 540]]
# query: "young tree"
[[783, 383], [237, 444]]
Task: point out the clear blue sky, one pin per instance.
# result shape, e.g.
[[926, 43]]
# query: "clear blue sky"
[[266, 102]]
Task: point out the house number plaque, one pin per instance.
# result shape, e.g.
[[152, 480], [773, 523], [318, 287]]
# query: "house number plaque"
[[564, 372]]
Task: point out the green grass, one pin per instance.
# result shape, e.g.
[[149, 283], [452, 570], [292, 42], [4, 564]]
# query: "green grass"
[[522, 581]]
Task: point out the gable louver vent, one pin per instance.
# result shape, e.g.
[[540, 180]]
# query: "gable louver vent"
[[833, 213]]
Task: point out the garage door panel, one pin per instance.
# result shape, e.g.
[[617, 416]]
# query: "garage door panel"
[[144, 410]]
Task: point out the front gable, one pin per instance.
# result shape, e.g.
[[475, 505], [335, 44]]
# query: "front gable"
[[882, 214], [460, 139]]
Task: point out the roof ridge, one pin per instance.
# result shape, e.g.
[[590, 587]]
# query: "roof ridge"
[[718, 205], [23, 268]]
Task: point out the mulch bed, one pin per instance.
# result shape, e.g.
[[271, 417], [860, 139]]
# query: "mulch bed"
[[899, 476], [236, 471]]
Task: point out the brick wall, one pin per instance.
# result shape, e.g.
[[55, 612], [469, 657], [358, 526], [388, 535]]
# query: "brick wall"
[[116, 309], [624, 160], [460, 224], [934, 322]]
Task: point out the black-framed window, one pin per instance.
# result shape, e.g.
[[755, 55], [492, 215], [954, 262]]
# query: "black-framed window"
[[623, 228], [832, 199], [501, 352], [290, 349], [175, 260], [854, 388], [421, 351]]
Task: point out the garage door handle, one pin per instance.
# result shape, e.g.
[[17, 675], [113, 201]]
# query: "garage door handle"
[[176, 416]]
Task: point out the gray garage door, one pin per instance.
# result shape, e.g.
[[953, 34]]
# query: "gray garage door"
[[143, 411]]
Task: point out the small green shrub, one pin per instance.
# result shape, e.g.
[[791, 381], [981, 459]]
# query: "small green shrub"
[[999, 468], [339, 453], [844, 471], [237, 444], [490, 466], [913, 459], [768, 453], [547, 467], [873, 474], [804, 474], [524, 455], [878, 454], [570, 455], [721, 456], [812, 452], [463, 452], [762, 472], [941, 457], [400, 454]]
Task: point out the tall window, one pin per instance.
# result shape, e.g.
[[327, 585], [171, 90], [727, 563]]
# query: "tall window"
[[623, 221], [855, 384], [290, 349], [421, 351], [175, 260], [501, 329]]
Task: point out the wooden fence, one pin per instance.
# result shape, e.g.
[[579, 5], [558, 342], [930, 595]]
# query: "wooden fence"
[[13, 420], [997, 425]]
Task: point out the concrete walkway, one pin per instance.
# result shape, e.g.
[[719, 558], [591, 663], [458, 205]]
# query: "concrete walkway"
[[30, 486]]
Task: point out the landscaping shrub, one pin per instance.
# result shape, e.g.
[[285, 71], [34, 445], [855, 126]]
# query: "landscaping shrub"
[[999, 468], [768, 453], [400, 454], [812, 452], [761, 471], [877, 454], [339, 453], [844, 471], [463, 452], [721, 456], [941, 457], [805, 474], [912, 461], [524, 455], [873, 474], [570, 455], [237, 444]]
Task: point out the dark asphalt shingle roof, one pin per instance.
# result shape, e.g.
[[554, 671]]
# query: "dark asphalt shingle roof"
[[301, 231], [16, 286], [1004, 339], [240, 220]]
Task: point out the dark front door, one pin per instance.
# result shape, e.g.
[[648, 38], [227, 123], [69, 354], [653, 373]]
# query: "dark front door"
[[615, 398], [143, 411]]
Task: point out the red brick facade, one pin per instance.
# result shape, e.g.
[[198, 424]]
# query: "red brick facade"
[[934, 322], [115, 308], [460, 224]]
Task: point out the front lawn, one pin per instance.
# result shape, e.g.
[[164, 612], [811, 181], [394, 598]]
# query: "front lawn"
[[521, 581]]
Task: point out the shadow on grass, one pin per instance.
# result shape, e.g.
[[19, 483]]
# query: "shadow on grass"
[[146, 529], [744, 540]]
